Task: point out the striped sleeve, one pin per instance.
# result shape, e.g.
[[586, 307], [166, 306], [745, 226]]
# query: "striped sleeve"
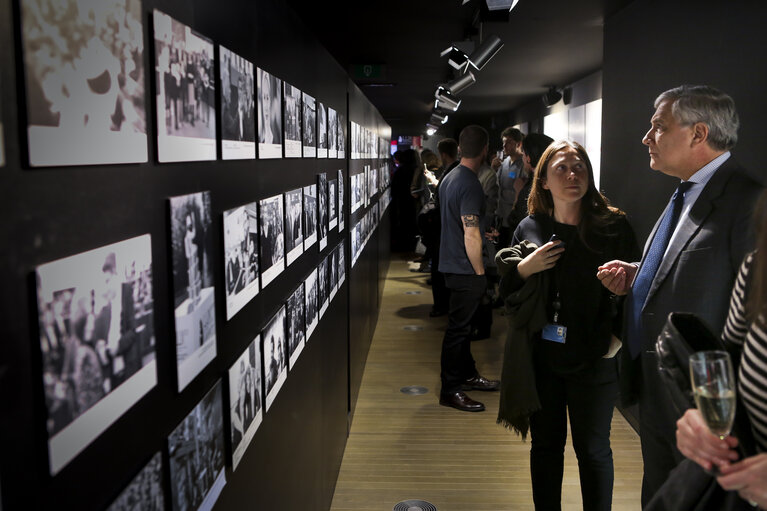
[[736, 326]]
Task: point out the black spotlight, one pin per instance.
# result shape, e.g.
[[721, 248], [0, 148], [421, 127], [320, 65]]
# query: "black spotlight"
[[551, 97]]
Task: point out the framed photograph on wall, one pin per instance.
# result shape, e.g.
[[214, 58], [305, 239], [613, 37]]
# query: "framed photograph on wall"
[[145, 491], [323, 291], [196, 455], [245, 410], [356, 192], [240, 257], [333, 272], [194, 294], [269, 115], [295, 321], [310, 216], [341, 262], [312, 304], [322, 209], [238, 108], [309, 124], [294, 229], [85, 96], [332, 133], [332, 196], [275, 355], [322, 131], [96, 324], [186, 90], [292, 102], [341, 136], [340, 200], [272, 241]]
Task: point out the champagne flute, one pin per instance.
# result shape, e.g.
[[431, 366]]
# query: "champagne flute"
[[713, 386]]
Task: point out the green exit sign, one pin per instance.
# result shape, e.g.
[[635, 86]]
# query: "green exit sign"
[[368, 71]]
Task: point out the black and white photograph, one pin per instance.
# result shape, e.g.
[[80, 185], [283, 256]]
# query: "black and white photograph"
[[96, 324], [332, 134], [323, 290], [322, 209], [238, 107], [356, 192], [322, 131], [312, 306], [294, 229], [196, 454], [341, 262], [194, 299], [373, 186], [295, 324], [145, 491], [245, 410], [310, 216], [272, 240], [340, 200], [356, 232], [240, 257], [84, 70], [332, 197], [341, 136], [186, 91], [355, 141], [333, 272], [275, 356], [309, 124], [292, 100], [269, 115], [364, 185]]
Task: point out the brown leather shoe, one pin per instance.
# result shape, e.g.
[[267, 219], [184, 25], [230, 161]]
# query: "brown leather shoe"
[[461, 401], [480, 383]]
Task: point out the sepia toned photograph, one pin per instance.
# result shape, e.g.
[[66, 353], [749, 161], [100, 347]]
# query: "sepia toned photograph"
[[186, 91], [272, 241], [322, 209], [312, 305], [275, 356], [310, 216], [340, 200], [295, 323], [323, 289], [196, 455], [341, 262], [294, 229], [332, 133], [245, 410], [292, 101], [145, 491], [269, 96], [194, 299], [309, 124], [341, 135], [332, 197], [238, 107], [96, 324], [322, 131], [240, 257], [84, 76]]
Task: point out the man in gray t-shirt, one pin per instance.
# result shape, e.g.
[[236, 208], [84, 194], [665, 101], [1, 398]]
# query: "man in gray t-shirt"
[[462, 204]]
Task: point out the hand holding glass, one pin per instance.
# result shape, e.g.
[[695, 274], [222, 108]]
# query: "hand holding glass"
[[713, 385]]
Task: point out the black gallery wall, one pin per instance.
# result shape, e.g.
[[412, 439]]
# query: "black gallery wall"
[[653, 46], [54, 212]]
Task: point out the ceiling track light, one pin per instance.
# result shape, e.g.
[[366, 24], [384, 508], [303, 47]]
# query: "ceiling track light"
[[458, 53], [442, 101], [551, 97], [485, 51], [460, 83], [501, 5]]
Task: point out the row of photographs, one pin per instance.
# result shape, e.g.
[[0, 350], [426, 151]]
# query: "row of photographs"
[[96, 309], [84, 68], [196, 446]]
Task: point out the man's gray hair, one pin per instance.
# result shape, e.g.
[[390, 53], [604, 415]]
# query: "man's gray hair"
[[712, 107]]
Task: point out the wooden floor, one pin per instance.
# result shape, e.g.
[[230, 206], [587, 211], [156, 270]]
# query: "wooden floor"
[[405, 447]]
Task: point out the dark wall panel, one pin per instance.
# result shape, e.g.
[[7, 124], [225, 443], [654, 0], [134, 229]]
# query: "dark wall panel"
[[654, 46]]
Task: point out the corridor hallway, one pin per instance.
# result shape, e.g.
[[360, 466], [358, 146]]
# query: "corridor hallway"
[[404, 447]]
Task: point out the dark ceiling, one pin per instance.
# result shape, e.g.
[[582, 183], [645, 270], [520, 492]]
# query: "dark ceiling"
[[546, 42]]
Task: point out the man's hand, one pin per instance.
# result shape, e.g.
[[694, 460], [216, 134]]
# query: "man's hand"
[[544, 257], [492, 234], [617, 276], [496, 163]]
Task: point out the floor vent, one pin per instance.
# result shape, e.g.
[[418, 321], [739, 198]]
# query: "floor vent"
[[412, 328], [412, 292], [414, 505], [414, 390]]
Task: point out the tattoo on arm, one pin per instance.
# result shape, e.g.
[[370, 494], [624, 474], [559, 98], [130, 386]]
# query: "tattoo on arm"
[[470, 221]]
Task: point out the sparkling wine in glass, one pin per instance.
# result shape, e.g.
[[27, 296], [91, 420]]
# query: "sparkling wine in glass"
[[713, 385]]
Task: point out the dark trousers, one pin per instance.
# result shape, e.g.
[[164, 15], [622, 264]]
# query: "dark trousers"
[[457, 362], [589, 399], [439, 291], [657, 424]]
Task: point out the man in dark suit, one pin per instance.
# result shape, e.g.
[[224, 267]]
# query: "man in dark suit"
[[691, 258]]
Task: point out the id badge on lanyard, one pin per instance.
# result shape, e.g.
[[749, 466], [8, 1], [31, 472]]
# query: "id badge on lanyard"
[[554, 331]]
